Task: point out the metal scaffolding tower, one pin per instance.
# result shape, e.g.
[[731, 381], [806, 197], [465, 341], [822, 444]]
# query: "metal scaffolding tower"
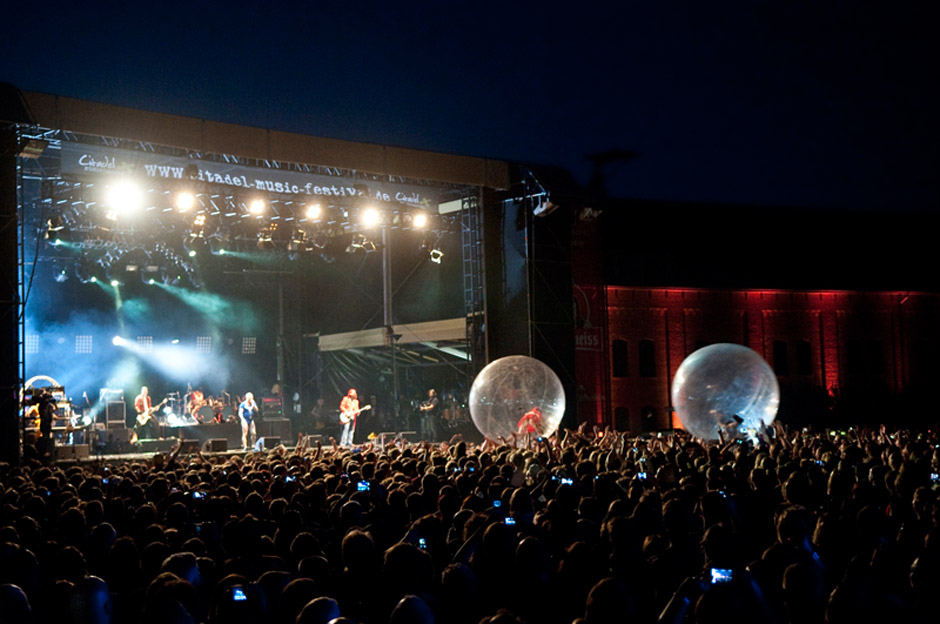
[[471, 228]]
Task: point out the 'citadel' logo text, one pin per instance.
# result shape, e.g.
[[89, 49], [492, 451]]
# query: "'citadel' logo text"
[[88, 163]]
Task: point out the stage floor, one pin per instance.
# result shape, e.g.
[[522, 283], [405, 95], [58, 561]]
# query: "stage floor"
[[146, 456]]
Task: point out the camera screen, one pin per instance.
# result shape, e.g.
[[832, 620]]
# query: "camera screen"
[[238, 594], [363, 486], [720, 575]]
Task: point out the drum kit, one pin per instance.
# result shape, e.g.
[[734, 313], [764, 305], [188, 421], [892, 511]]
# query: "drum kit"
[[211, 409], [195, 408]]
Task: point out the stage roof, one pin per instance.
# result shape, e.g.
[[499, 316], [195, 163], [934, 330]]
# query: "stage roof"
[[95, 118], [446, 330]]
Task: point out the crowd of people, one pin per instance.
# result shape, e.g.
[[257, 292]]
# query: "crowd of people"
[[586, 527]]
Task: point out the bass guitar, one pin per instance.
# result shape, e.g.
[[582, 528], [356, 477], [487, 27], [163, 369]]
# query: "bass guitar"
[[144, 417], [348, 415]]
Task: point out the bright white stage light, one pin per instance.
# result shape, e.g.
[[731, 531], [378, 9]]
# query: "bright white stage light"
[[420, 220], [256, 207], [313, 211], [115, 283], [117, 341], [185, 201], [124, 196], [370, 217]]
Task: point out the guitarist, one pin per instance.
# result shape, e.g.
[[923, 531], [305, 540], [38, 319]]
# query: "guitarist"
[[349, 410], [143, 405]]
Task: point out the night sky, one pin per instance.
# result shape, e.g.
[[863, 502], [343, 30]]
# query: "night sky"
[[768, 103]]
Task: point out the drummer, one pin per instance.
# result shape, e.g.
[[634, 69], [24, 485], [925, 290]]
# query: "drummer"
[[196, 400]]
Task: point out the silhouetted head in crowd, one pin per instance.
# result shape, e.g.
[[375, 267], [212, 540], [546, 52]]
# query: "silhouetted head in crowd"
[[90, 602]]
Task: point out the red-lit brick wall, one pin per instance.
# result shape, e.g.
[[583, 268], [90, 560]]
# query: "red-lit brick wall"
[[829, 339]]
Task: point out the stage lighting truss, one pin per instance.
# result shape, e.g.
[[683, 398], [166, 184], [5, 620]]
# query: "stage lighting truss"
[[211, 218]]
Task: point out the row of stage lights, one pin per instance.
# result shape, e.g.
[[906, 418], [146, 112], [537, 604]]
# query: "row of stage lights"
[[311, 232]]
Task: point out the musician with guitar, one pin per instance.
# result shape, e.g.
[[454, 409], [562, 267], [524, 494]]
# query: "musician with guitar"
[[349, 411], [431, 427], [145, 426]]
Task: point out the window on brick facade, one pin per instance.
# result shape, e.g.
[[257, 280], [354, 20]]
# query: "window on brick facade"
[[621, 364]]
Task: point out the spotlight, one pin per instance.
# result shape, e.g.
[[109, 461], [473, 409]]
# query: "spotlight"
[[117, 341], [370, 217], [299, 243], [313, 211], [185, 201], [420, 220], [149, 273], [192, 253], [217, 243], [266, 236], [115, 283], [55, 230], [321, 240], [356, 243], [256, 207], [123, 196], [58, 271], [436, 255]]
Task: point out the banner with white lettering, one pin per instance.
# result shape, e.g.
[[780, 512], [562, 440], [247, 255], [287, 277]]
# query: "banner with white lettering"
[[79, 160]]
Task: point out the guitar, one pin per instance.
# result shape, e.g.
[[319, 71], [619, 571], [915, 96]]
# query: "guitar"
[[144, 417], [348, 415]]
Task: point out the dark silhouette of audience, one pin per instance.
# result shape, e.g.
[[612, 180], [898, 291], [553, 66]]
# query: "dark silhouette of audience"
[[586, 527]]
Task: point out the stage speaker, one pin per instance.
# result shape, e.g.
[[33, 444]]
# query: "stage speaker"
[[156, 446], [116, 414], [279, 427], [215, 445], [121, 434], [189, 446], [72, 451], [267, 443]]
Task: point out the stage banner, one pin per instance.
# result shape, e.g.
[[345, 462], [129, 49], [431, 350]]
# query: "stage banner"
[[590, 334], [80, 160]]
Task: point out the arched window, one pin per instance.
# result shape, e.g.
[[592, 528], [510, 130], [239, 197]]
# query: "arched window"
[[621, 364]]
